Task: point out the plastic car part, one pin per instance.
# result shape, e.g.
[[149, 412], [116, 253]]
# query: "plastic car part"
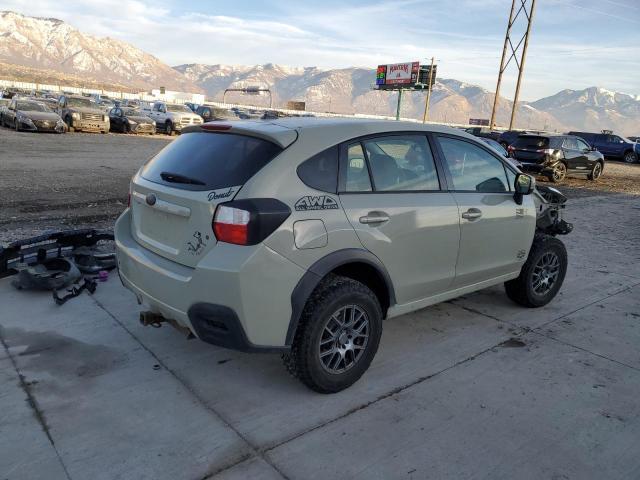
[[51, 245], [94, 259], [50, 274]]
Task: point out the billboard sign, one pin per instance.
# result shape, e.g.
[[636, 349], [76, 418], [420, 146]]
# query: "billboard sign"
[[397, 75], [425, 72], [479, 121]]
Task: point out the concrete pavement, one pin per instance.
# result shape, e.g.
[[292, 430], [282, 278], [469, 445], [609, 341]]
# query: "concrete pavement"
[[473, 388]]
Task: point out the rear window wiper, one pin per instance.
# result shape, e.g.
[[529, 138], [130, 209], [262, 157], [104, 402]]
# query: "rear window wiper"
[[177, 178]]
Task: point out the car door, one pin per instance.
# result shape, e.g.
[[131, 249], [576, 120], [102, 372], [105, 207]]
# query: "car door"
[[588, 155], [398, 204], [604, 145], [10, 114], [573, 156], [495, 232]]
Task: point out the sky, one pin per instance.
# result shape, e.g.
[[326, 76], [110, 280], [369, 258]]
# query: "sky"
[[573, 44]]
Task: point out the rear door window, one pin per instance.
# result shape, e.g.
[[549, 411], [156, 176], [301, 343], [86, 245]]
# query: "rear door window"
[[357, 173], [208, 161], [402, 163], [531, 142]]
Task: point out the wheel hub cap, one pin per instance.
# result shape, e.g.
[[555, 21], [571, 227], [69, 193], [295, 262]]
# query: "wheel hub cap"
[[344, 339], [545, 273]]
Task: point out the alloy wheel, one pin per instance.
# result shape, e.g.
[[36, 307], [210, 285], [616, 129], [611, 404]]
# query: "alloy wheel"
[[597, 171], [630, 157], [344, 339], [545, 273], [559, 172]]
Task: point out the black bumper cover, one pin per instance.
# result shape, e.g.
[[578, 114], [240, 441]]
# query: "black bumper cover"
[[219, 325]]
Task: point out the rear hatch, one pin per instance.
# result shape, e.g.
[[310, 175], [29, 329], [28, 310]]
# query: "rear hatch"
[[175, 194], [530, 148]]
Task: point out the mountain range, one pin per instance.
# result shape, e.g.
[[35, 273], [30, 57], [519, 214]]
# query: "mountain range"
[[40, 48]]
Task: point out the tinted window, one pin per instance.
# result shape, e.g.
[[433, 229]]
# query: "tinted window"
[[570, 143], [472, 168], [401, 163], [216, 160], [582, 145], [321, 171], [531, 142], [357, 173]]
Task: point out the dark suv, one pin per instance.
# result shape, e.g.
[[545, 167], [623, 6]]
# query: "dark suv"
[[554, 156], [612, 145]]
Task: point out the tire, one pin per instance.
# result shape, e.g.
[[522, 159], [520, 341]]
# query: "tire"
[[630, 157], [125, 128], [16, 126], [595, 172], [531, 289], [168, 128], [559, 173], [320, 328]]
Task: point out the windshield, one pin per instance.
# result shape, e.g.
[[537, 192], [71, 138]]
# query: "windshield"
[[31, 107], [132, 112], [178, 108], [80, 102]]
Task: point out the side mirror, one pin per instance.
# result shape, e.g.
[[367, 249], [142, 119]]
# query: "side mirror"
[[523, 185]]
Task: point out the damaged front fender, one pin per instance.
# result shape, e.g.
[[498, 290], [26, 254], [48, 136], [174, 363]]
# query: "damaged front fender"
[[550, 203]]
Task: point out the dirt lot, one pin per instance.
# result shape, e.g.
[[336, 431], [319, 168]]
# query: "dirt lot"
[[53, 181], [477, 387]]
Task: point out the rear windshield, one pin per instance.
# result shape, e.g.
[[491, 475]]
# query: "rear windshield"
[[208, 161], [531, 142]]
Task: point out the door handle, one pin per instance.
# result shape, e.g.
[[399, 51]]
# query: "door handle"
[[472, 214], [374, 217]]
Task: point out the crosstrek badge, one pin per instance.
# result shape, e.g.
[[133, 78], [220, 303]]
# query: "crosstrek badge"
[[320, 202]]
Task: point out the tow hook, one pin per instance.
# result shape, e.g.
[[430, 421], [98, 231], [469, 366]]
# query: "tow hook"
[[151, 319]]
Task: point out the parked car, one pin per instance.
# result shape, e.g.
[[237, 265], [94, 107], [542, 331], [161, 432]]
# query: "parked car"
[[501, 150], [192, 106], [82, 114], [210, 113], [33, 116], [4, 104], [555, 156], [634, 139], [172, 118], [483, 132], [611, 145], [131, 120], [301, 236]]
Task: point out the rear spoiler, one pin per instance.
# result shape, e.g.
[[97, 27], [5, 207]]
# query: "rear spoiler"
[[49, 245], [264, 129]]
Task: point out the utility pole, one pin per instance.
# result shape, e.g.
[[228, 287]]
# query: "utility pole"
[[425, 116], [527, 7], [399, 104]]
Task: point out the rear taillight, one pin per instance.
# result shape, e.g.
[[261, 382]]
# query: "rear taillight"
[[231, 225], [249, 221]]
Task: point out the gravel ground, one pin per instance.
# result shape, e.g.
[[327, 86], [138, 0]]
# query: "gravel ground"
[[81, 180]]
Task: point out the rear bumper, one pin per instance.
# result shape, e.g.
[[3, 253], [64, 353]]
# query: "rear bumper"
[[536, 168], [230, 299]]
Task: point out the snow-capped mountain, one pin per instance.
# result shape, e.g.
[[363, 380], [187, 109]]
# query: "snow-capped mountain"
[[594, 109], [349, 90], [46, 49], [51, 44]]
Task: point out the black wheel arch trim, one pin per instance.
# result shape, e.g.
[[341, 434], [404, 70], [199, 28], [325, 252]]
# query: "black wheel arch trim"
[[320, 269]]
